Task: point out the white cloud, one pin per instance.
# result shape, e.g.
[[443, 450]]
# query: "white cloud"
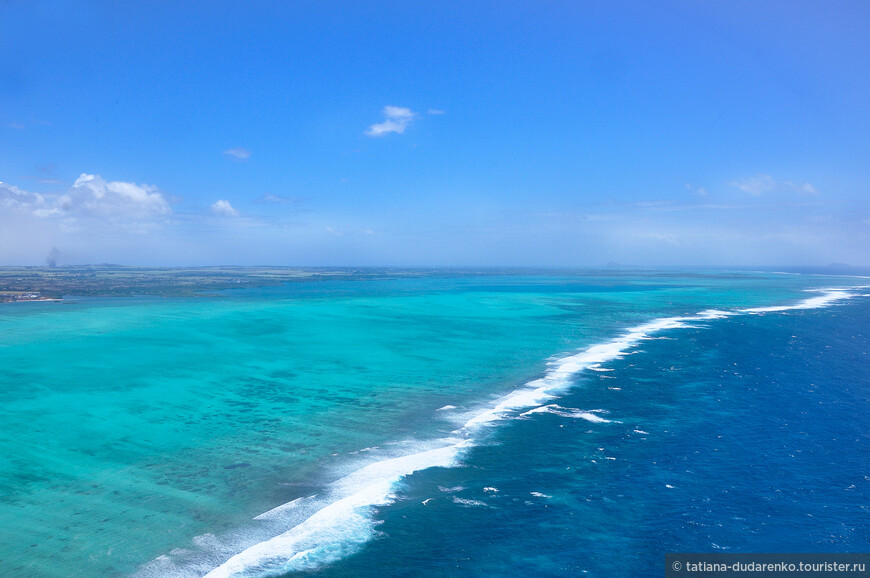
[[756, 185], [761, 184], [804, 189], [11, 197], [91, 195], [92, 214], [436, 111], [238, 153], [224, 209], [350, 230], [396, 119], [270, 199], [700, 191]]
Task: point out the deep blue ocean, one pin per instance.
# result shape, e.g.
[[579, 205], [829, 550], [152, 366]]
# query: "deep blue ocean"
[[478, 425], [749, 434]]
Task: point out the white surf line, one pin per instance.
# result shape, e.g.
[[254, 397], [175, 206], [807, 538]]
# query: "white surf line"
[[560, 377], [283, 508], [831, 295], [336, 530], [347, 522]]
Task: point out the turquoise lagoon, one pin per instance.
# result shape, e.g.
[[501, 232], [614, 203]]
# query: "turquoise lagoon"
[[161, 436]]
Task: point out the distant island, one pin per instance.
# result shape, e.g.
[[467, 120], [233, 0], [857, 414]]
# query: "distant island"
[[52, 283]]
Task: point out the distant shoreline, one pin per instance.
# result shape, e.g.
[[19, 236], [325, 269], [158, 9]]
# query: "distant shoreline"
[[30, 284], [37, 300]]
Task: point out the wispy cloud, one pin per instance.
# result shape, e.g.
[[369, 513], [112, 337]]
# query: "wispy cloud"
[[761, 184], [804, 189], [396, 119], [436, 111], [350, 230], [700, 191], [271, 199], [756, 185], [24, 125], [224, 209], [45, 174], [11, 197], [238, 153]]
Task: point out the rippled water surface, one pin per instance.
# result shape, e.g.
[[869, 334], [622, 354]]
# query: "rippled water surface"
[[555, 424]]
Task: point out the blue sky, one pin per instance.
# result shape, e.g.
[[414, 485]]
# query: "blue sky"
[[443, 133]]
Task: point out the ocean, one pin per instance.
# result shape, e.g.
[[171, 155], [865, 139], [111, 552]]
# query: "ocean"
[[549, 424]]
